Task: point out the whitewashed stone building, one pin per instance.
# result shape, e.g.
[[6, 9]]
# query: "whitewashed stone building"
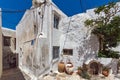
[[77, 42], [0, 51], [9, 48], [0, 46], [38, 38], [80, 46], [46, 35]]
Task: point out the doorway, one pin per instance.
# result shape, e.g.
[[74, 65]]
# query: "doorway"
[[94, 68], [10, 61]]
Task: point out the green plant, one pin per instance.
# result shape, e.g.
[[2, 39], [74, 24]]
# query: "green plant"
[[108, 54], [79, 68], [105, 68], [85, 75], [107, 28], [119, 63]]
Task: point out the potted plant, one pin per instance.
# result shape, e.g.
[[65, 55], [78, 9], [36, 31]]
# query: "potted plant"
[[79, 70], [69, 68], [84, 74], [119, 63], [105, 71], [61, 66]]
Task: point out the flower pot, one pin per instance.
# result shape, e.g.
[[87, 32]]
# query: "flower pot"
[[79, 72], [105, 73], [69, 68], [61, 67]]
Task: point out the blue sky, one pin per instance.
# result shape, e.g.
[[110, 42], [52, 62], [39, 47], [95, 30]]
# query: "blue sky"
[[69, 7]]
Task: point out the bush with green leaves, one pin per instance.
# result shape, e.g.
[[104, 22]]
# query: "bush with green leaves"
[[85, 75], [107, 28]]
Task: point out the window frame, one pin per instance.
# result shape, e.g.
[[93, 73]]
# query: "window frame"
[[55, 54], [68, 52], [7, 41], [15, 43], [56, 16]]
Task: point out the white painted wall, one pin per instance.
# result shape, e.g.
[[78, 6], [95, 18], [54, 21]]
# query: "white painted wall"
[[84, 45], [0, 51], [0, 44], [36, 59], [79, 38], [7, 50]]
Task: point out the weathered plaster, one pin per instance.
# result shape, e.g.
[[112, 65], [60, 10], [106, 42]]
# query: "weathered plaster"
[[77, 36], [0, 51], [0, 45], [8, 50], [35, 59]]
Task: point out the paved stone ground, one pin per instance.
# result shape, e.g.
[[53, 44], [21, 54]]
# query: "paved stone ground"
[[63, 76], [12, 74]]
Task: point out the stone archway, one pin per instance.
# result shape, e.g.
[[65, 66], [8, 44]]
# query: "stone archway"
[[94, 67]]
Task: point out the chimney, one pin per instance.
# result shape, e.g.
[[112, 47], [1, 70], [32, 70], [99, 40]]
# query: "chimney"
[[37, 3]]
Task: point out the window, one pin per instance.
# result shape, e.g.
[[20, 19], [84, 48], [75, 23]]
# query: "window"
[[56, 21], [68, 51], [15, 43], [32, 42], [7, 41], [55, 52]]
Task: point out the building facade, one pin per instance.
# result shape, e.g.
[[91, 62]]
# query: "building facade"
[[9, 48], [0, 51], [38, 41], [0, 46], [77, 43], [46, 35]]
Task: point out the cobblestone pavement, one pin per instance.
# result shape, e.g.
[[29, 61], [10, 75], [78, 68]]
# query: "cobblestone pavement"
[[12, 74]]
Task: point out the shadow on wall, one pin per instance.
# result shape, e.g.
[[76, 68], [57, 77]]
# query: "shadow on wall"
[[10, 59]]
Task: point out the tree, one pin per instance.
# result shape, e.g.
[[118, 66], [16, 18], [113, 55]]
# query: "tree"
[[107, 28]]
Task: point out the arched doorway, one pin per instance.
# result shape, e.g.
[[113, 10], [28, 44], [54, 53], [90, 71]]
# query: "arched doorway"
[[94, 68]]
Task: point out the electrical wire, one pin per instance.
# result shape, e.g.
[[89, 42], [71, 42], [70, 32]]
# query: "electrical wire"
[[8, 21], [6, 10], [15, 11], [66, 35]]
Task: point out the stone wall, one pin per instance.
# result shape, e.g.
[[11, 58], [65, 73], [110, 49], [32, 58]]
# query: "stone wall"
[[0, 45], [8, 50], [78, 37], [26, 41], [0, 51]]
